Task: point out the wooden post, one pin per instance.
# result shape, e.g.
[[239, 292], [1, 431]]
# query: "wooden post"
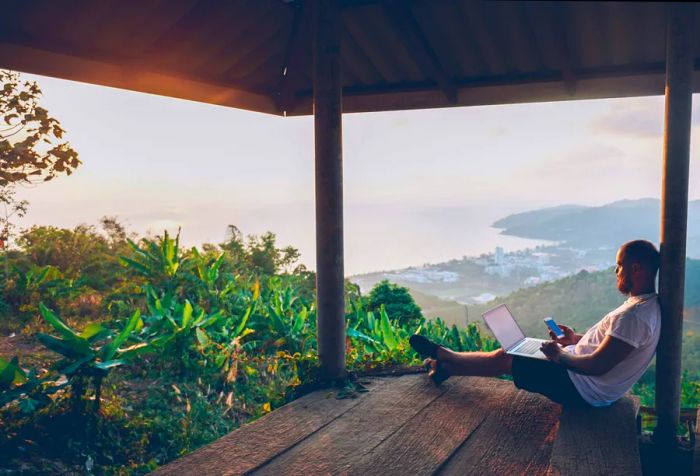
[[329, 188], [674, 218]]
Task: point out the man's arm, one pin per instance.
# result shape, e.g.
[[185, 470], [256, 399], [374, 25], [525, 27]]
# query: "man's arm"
[[611, 352]]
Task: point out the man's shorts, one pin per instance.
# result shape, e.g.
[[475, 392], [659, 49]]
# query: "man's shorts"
[[546, 378]]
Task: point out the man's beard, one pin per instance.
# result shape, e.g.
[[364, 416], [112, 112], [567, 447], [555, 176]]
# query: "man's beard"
[[624, 286]]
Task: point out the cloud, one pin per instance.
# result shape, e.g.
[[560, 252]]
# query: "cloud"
[[158, 226], [586, 174], [582, 161], [640, 118], [498, 131]]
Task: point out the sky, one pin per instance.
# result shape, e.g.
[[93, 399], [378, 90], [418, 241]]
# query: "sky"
[[419, 186]]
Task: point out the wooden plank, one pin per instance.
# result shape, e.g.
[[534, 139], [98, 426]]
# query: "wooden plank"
[[365, 39], [245, 38], [598, 441], [355, 60], [540, 463], [451, 40], [296, 47], [252, 445], [403, 20], [518, 35], [428, 439], [469, 15], [335, 448], [515, 438]]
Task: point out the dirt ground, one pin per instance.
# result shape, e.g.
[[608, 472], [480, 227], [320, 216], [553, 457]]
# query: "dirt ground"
[[30, 352]]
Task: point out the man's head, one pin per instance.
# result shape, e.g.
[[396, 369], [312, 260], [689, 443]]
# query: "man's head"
[[637, 265]]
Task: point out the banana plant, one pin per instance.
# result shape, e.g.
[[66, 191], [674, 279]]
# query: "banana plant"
[[90, 354], [26, 387], [287, 321], [172, 328], [207, 270], [35, 284], [157, 261], [377, 336], [460, 339], [224, 354], [211, 287]]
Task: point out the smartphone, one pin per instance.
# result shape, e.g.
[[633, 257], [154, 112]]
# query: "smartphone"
[[553, 327]]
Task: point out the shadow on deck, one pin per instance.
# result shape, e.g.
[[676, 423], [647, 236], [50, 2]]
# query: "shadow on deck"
[[405, 425]]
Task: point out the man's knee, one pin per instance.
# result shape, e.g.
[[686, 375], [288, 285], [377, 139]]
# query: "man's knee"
[[505, 361]]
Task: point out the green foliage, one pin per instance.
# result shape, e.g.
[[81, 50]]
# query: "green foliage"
[[283, 315], [377, 339], [397, 300], [24, 387], [88, 355], [259, 255]]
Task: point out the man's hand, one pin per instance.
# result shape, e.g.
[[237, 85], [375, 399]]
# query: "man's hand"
[[552, 351], [570, 337]]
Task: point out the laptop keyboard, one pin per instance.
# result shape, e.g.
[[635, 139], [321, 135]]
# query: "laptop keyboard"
[[529, 347]]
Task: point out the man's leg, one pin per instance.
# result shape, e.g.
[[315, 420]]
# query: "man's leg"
[[482, 364]]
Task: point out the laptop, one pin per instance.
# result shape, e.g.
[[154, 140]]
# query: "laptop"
[[502, 324]]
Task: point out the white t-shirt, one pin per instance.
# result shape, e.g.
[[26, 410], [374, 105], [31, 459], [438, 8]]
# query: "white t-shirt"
[[637, 322]]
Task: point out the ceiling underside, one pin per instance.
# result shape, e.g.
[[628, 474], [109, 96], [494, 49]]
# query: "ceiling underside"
[[396, 54]]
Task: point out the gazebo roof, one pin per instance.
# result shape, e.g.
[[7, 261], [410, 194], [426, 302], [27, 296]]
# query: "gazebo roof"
[[396, 54]]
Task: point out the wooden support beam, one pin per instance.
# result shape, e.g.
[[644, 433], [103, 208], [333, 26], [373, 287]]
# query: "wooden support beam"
[[674, 218], [556, 34], [399, 13], [291, 69], [328, 138]]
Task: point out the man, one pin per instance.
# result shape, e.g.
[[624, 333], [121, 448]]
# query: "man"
[[595, 368]]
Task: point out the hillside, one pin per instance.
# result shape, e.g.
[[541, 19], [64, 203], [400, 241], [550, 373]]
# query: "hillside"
[[604, 226], [449, 311]]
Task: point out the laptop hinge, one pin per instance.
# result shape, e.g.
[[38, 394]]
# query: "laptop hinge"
[[516, 344]]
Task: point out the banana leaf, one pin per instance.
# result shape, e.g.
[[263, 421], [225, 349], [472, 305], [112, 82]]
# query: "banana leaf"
[[111, 348], [202, 337], [59, 325], [299, 321], [134, 350], [11, 373], [186, 315], [355, 334], [241, 325], [67, 348], [387, 330], [212, 319], [74, 366], [106, 365], [94, 331]]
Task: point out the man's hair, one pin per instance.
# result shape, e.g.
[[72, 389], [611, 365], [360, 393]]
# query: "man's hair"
[[642, 252]]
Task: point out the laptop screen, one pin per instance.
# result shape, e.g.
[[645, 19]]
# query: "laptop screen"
[[503, 325]]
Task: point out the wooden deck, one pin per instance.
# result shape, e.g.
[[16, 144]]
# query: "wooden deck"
[[404, 425]]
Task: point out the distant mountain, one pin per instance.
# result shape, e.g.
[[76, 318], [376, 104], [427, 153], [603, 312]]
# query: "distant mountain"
[[537, 217], [605, 226]]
